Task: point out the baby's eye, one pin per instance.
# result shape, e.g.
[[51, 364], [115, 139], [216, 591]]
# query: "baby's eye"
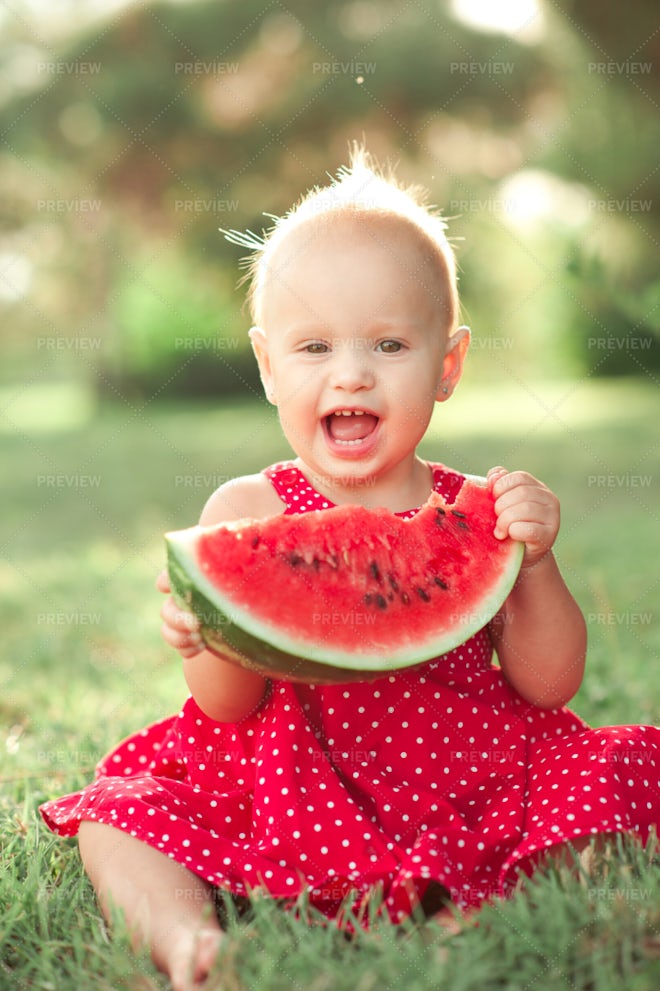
[[389, 347], [316, 347]]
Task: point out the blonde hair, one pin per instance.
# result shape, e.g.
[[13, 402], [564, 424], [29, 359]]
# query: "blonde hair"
[[359, 190]]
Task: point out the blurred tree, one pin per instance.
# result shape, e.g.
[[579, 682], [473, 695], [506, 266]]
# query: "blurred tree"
[[127, 142], [612, 143]]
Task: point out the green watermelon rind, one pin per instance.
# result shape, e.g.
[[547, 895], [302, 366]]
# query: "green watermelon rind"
[[240, 637], [234, 643]]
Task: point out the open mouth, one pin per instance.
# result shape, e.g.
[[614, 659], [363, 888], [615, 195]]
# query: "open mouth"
[[350, 427]]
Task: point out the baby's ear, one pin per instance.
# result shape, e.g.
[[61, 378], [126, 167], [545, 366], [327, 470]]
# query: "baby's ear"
[[452, 368], [259, 343], [257, 337]]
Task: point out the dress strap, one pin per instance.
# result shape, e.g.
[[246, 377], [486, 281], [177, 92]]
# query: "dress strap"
[[297, 494]]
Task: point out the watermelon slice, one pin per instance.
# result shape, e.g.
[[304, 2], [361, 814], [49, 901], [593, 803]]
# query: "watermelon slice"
[[346, 593]]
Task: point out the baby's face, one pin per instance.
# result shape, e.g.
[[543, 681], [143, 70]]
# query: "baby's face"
[[355, 318]]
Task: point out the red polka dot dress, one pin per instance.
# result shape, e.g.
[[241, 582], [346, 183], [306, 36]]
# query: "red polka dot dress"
[[442, 773]]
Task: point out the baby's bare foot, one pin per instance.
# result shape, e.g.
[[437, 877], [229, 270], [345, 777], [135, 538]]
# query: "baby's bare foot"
[[191, 957], [453, 921]]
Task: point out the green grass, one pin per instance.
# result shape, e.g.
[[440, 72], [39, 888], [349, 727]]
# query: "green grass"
[[87, 496]]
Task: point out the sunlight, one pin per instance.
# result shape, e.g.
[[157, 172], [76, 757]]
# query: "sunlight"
[[49, 22], [521, 19], [533, 196], [48, 407], [15, 275]]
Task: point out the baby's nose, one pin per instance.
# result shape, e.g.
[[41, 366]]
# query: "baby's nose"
[[351, 366]]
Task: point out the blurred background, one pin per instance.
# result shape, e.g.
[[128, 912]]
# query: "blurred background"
[[130, 132]]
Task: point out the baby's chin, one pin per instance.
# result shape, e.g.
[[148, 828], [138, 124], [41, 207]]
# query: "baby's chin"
[[340, 474]]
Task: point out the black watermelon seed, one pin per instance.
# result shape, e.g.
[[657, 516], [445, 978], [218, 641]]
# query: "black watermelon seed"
[[441, 583], [462, 525], [424, 595], [375, 573], [455, 512], [394, 583], [255, 540], [381, 602]]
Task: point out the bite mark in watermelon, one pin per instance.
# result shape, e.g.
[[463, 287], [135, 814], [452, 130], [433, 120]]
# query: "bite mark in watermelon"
[[345, 593]]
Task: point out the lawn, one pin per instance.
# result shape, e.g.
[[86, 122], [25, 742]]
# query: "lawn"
[[88, 495]]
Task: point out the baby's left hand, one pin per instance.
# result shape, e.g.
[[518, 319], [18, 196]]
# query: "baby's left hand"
[[526, 510]]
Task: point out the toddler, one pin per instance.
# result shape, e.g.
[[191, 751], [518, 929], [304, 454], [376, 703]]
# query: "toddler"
[[443, 782]]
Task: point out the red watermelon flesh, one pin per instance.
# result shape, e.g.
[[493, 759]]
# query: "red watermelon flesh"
[[346, 593]]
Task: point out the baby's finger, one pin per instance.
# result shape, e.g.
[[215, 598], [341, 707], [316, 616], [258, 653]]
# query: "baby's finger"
[[509, 481], [525, 512], [494, 474], [163, 583], [529, 504], [191, 651], [177, 618], [534, 535], [188, 644]]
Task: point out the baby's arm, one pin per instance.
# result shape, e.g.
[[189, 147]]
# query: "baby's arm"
[[539, 634], [222, 689]]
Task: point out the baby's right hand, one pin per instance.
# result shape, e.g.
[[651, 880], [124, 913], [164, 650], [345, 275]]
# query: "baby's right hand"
[[180, 628]]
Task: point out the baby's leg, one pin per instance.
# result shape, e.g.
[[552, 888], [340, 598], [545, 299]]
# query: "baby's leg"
[[167, 907]]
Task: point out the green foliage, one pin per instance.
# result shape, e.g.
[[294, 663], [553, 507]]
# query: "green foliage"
[[128, 138], [177, 332], [617, 329]]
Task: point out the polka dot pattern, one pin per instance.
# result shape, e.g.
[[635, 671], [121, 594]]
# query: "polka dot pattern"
[[442, 774]]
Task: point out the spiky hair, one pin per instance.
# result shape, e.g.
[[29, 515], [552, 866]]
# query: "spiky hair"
[[360, 189]]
